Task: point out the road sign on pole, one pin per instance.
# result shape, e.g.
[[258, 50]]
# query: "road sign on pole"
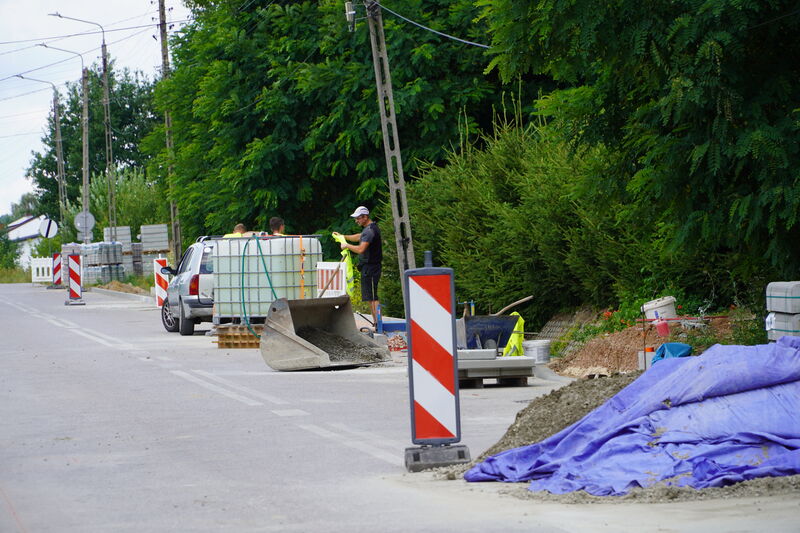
[[84, 223], [48, 228]]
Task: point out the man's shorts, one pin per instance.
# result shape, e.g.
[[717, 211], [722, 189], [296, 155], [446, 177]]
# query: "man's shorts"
[[370, 276]]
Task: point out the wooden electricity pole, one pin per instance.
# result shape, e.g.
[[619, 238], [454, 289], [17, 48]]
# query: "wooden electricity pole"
[[391, 140], [62, 190], [173, 208], [112, 180]]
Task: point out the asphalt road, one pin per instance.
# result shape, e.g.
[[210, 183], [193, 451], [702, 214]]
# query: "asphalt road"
[[109, 423]]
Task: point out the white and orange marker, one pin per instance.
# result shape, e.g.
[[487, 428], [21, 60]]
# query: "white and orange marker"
[[432, 368], [432, 358], [162, 282], [75, 287], [56, 269]]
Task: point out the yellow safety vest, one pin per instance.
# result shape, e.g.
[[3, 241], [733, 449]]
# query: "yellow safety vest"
[[348, 265], [514, 345]]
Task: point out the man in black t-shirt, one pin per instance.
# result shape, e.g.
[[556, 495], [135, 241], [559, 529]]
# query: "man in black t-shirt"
[[370, 251]]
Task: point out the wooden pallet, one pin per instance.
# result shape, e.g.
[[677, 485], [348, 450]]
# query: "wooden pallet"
[[238, 336]]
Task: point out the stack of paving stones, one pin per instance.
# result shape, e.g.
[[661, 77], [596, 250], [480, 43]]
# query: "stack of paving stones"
[[155, 243]]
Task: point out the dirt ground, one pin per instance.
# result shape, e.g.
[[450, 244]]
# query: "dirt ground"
[[559, 409], [617, 352], [124, 287]]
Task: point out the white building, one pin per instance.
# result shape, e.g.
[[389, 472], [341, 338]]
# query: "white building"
[[25, 232]]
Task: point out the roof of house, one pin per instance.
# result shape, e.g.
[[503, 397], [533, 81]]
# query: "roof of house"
[[25, 228]]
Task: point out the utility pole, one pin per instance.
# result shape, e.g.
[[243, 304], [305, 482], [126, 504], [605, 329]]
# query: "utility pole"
[[85, 132], [85, 136], [112, 203], [391, 141], [173, 208], [112, 207], [62, 191]]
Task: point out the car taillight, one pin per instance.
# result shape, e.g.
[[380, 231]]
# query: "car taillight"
[[194, 285]]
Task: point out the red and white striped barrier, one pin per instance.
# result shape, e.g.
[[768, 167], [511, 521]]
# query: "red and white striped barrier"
[[330, 278], [432, 358], [161, 281], [75, 292], [57, 269]]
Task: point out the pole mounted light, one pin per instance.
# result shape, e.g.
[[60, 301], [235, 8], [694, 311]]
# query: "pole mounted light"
[[350, 15], [85, 133], [62, 188], [112, 207]]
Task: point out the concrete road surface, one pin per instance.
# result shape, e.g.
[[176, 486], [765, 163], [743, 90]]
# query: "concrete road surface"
[[109, 423]]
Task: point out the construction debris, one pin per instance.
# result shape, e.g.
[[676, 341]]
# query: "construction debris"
[[339, 348]]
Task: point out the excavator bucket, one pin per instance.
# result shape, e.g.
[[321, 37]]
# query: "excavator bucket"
[[316, 333]]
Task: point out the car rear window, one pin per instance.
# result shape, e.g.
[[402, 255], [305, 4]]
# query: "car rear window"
[[206, 265]]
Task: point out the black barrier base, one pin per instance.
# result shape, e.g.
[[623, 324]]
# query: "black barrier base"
[[420, 458]]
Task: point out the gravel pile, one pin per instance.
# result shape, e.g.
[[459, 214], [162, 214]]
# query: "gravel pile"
[[340, 349]]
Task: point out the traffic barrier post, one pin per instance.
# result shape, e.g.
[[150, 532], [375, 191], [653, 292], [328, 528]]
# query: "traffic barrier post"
[[57, 270], [75, 288], [432, 368], [161, 281]]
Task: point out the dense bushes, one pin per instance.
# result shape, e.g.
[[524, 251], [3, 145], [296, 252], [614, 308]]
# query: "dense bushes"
[[523, 216]]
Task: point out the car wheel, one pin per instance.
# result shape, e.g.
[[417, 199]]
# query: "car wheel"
[[169, 320], [185, 326]]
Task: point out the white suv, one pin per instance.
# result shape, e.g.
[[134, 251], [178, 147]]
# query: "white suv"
[[190, 294]]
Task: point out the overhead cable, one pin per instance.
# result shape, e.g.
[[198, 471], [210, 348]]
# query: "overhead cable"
[[431, 29], [90, 32]]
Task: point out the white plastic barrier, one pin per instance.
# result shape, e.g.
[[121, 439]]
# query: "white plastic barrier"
[[331, 275], [41, 270]]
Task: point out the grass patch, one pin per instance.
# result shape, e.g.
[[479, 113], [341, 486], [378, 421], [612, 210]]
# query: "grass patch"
[[14, 275]]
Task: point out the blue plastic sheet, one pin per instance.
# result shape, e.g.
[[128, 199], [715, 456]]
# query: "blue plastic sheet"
[[671, 349], [726, 416]]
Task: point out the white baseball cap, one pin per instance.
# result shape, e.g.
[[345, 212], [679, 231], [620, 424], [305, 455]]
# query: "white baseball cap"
[[360, 210]]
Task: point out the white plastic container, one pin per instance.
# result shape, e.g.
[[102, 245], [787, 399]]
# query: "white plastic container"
[[780, 324], [664, 306], [239, 264], [539, 350], [783, 296]]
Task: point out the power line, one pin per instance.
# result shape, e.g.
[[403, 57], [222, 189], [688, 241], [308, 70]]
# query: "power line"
[[795, 12], [21, 134], [24, 94], [71, 58], [37, 112], [398, 15], [88, 33]]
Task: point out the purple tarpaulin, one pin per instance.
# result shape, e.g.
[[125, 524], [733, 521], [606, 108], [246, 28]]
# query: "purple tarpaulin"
[[731, 414]]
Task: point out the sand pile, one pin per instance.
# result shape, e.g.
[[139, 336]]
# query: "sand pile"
[[124, 287]]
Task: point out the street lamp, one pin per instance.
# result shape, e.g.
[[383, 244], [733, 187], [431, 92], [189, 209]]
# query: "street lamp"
[[85, 133], [112, 207], [62, 191]]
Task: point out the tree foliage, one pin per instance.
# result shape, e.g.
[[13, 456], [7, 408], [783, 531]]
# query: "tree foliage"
[[139, 200], [699, 97], [275, 113], [8, 252], [522, 214], [132, 117]]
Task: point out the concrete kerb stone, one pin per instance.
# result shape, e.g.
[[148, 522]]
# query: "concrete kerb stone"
[[542, 372], [138, 297]]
